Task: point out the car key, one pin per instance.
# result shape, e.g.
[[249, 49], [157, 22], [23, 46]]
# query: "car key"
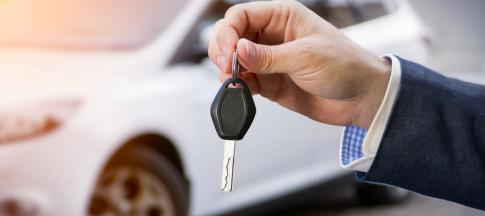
[[232, 113]]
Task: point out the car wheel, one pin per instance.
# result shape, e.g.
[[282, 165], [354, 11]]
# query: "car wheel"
[[139, 181], [373, 194]]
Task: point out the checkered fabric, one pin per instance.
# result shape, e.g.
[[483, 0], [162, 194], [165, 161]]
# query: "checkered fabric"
[[352, 144]]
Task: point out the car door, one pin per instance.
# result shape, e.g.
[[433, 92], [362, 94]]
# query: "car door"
[[281, 145]]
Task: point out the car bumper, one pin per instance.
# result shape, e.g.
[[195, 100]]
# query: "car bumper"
[[49, 175]]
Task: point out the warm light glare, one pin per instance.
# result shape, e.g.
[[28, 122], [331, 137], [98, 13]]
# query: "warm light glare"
[[83, 24]]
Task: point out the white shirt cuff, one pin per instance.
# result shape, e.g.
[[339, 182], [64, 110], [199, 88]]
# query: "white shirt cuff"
[[374, 135]]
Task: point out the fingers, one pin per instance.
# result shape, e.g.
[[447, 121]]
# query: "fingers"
[[247, 20], [220, 48], [255, 16], [265, 59]]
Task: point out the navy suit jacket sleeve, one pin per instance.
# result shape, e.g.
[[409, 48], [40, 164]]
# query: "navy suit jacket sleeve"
[[434, 142]]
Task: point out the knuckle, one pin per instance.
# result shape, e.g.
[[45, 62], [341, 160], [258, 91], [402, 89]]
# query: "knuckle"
[[218, 24], [293, 7], [282, 9], [288, 4], [217, 38], [233, 10]]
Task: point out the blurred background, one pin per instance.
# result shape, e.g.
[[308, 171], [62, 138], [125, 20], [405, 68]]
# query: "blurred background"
[[104, 110]]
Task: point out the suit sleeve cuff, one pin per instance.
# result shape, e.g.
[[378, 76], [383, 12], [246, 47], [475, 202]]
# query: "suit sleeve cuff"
[[358, 146]]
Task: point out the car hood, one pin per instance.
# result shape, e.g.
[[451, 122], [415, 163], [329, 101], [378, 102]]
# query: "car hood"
[[33, 75]]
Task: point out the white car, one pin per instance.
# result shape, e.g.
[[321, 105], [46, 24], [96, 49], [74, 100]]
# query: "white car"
[[103, 112]]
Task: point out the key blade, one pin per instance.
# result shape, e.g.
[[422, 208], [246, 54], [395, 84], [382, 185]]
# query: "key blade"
[[228, 165], [226, 185]]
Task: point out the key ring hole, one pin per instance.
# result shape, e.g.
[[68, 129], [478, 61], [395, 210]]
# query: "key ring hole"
[[234, 83]]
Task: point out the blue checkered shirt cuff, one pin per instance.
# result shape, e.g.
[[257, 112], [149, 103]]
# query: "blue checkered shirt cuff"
[[352, 141]]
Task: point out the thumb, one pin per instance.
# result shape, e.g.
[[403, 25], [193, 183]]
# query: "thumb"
[[264, 59]]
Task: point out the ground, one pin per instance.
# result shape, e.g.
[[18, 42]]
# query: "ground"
[[338, 198], [416, 205]]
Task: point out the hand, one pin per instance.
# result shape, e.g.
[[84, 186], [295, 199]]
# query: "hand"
[[297, 59]]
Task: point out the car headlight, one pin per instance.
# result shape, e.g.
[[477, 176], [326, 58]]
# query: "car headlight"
[[30, 120]]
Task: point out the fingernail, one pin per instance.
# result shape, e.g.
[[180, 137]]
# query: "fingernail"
[[221, 63]]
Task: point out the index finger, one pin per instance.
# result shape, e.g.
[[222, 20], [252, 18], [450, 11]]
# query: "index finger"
[[246, 19]]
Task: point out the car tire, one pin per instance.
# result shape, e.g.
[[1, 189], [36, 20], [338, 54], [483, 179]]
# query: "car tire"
[[140, 181], [373, 194]]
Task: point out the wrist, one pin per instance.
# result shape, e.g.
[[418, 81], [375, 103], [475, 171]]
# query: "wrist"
[[372, 98]]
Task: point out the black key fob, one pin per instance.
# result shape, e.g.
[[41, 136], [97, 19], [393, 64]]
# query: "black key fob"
[[233, 110]]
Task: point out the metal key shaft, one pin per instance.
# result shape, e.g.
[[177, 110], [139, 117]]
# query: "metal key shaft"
[[228, 165]]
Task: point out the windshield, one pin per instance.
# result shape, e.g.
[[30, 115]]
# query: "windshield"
[[84, 24]]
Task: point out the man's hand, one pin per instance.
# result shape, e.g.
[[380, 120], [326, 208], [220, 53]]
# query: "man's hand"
[[297, 59]]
